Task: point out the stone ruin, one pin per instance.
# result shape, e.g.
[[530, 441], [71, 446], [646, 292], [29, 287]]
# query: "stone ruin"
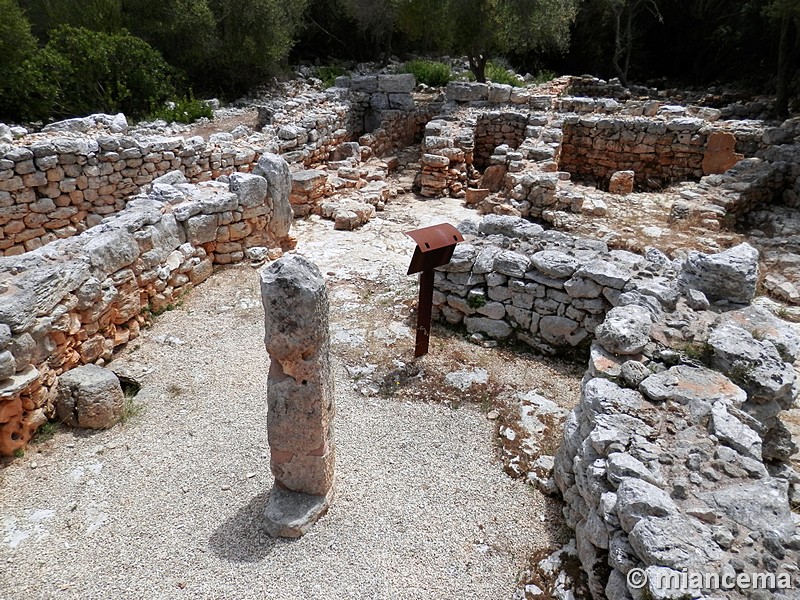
[[74, 300], [299, 396], [675, 457]]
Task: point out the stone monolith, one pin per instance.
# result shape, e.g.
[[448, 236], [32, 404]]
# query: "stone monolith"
[[299, 395]]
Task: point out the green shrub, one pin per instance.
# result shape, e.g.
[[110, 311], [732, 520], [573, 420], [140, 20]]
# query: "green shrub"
[[109, 73], [544, 76], [329, 74], [497, 73], [184, 110], [429, 72]]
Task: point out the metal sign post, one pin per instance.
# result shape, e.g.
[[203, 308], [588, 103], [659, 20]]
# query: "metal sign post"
[[435, 246]]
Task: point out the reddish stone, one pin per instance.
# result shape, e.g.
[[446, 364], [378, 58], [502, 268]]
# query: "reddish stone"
[[720, 155]]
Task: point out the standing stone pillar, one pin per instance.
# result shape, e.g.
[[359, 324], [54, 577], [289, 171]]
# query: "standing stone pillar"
[[299, 395]]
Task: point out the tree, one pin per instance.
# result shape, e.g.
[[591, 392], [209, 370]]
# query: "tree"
[[376, 21], [17, 45], [255, 36], [787, 14], [108, 73], [623, 15], [97, 15], [184, 31], [483, 28]]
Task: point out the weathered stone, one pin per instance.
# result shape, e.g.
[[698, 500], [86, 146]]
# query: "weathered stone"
[[732, 432], [402, 83], [463, 91], [561, 331], [637, 499], [626, 330], [762, 324], [633, 373], [493, 177], [720, 155], [605, 273], [762, 506], [251, 190], [291, 514], [621, 182], [511, 263], [300, 384], [275, 170], [730, 275], [754, 365], [685, 384], [674, 541], [491, 327], [621, 466], [509, 226], [553, 263], [89, 396]]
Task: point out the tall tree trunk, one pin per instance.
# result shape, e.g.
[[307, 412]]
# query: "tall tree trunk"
[[620, 47], [784, 59], [477, 64]]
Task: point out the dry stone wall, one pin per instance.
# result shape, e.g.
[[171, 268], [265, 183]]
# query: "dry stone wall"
[[73, 301], [676, 458], [56, 184]]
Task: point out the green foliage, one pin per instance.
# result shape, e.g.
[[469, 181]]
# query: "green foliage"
[[376, 20], [476, 300], [255, 37], [497, 73], [184, 31], [46, 432], [109, 73], [329, 74], [484, 28], [97, 15], [429, 72], [544, 76], [17, 45], [184, 110]]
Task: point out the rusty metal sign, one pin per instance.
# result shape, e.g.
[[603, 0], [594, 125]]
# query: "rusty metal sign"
[[435, 246]]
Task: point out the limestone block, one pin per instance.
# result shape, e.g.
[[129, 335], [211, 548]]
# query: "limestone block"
[[719, 155], [462, 91], [275, 170], [402, 83], [730, 275], [626, 330], [251, 190], [300, 385], [89, 396], [621, 182]]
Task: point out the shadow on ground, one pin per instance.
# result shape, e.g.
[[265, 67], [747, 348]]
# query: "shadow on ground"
[[240, 538]]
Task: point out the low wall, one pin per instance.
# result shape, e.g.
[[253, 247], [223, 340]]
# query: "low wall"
[[658, 152], [55, 185], [73, 301], [545, 288]]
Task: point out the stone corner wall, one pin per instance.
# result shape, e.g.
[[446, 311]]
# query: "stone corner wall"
[[74, 301], [676, 457]]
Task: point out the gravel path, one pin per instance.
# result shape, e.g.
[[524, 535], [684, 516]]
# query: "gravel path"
[[164, 505]]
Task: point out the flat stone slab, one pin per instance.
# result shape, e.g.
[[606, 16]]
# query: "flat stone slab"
[[291, 514]]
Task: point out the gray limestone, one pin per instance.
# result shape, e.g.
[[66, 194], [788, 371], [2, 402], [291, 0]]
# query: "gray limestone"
[[299, 390], [90, 397], [731, 275], [626, 330]]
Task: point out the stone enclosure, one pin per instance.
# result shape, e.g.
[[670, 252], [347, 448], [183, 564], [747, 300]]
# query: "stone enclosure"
[[675, 457]]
